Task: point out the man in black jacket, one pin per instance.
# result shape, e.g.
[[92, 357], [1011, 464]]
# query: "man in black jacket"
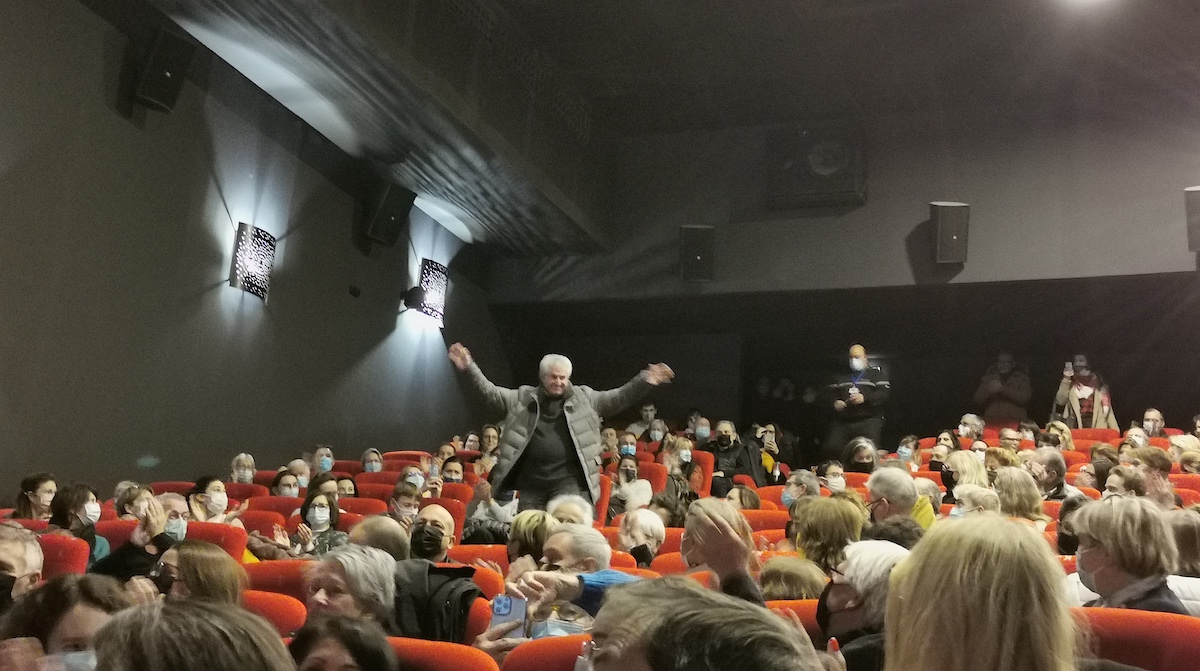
[[732, 458], [857, 398]]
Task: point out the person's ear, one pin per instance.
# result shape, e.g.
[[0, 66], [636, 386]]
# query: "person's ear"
[[590, 565]]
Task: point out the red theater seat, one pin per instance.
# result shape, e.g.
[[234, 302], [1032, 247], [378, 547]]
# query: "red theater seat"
[[467, 554], [1144, 639], [262, 521], [546, 654], [283, 505], [856, 479], [767, 519], [282, 576], [242, 492], [264, 478], [379, 492], [350, 466], [668, 563], [456, 508], [806, 610], [229, 538], [63, 554], [407, 455], [605, 497], [362, 506], [389, 478], [772, 493], [419, 655], [458, 491], [116, 532], [175, 486], [1095, 434], [286, 613]]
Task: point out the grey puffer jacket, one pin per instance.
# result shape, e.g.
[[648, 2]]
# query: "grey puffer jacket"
[[584, 407]]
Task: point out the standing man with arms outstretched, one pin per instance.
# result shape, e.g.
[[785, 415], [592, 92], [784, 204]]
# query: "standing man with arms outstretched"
[[550, 443]]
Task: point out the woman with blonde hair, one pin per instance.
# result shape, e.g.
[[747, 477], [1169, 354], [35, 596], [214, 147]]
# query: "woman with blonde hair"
[[974, 499], [990, 585], [789, 578], [962, 468], [1185, 525], [1060, 429], [241, 469], [692, 545], [528, 533], [1020, 497], [199, 570], [825, 529], [996, 458]]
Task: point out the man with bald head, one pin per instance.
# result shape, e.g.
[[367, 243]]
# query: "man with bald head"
[[432, 533], [856, 398]]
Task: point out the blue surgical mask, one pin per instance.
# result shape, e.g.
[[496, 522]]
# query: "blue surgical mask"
[[416, 479], [904, 452], [956, 512], [703, 433], [78, 660], [551, 628], [787, 498], [177, 529], [656, 435], [302, 480], [373, 467], [685, 456], [325, 464], [627, 450]]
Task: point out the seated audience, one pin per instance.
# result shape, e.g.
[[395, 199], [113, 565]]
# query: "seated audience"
[[76, 510], [208, 502], [742, 497], [851, 606], [471, 442], [574, 568], [404, 503], [131, 500], [1178, 445], [996, 458], [975, 499], [685, 478], [825, 528], [21, 563], [149, 540], [354, 581], [670, 509], [909, 453], [34, 499], [384, 533], [1094, 473], [1124, 481], [572, 509], [931, 491], [1185, 526], [832, 476], [192, 635], [1068, 542], [63, 616], [893, 494], [790, 578], [199, 570], [485, 506], [1010, 439], [695, 551], [650, 624], [800, 483], [453, 470], [318, 533], [970, 426], [903, 531], [1126, 551], [432, 534], [1189, 462], [527, 540], [336, 643], [1020, 497], [241, 469], [1152, 423], [1066, 441], [1155, 467], [489, 441], [641, 534], [628, 492], [962, 468], [371, 460], [346, 487], [1029, 430], [322, 460], [302, 471], [285, 484], [731, 457], [860, 456]]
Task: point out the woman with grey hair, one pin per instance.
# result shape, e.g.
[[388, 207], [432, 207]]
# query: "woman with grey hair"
[[353, 580]]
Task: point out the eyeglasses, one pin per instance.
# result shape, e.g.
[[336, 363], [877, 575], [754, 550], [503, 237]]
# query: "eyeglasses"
[[875, 504]]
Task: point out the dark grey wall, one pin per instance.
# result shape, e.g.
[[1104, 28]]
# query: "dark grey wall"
[[1087, 184], [120, 339]]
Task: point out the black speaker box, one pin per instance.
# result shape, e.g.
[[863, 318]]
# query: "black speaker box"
[[817, 166], [162, 77], [950, 222], [696, 253], [1191, 203], [391, 215]]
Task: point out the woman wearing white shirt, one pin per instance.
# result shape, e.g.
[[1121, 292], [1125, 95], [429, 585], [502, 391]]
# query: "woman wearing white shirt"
[[629, 493]]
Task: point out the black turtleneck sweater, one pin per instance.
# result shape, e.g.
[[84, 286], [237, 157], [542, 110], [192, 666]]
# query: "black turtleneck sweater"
[[550, 459]]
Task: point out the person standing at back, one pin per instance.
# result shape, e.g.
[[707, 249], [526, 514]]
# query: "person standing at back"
[[1004, 391], [550, 440], [1084, 398], [857, 398]]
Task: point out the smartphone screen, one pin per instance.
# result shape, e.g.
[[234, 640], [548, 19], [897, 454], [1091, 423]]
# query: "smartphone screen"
[[508, 609], [434, 471]]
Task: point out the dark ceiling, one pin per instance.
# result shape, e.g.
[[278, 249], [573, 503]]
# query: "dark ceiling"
[[663, 65]]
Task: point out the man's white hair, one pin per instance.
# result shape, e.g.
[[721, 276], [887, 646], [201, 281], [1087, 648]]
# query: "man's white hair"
[[648, 522], [586, 543], [589, 511], [867, 568], [896, 486], [553, 361], [369, 575]]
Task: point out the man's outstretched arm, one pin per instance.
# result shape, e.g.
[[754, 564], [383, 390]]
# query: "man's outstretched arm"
[[495, 396], [615, 400]]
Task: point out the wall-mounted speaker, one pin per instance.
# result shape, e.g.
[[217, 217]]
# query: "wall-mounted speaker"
[[696, 253], [390, 215], [1191, 204], [950, 221], [162, 78], [815, 166]]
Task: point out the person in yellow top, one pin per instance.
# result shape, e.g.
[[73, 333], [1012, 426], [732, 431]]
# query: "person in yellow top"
[[891, 492]]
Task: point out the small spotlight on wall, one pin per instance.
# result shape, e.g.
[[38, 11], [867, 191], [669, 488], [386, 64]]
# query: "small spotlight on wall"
[[429, 296], [253, 257]]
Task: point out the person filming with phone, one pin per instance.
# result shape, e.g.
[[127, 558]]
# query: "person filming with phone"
[[1083, 400]]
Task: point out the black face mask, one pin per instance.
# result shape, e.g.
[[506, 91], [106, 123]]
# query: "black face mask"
[[991, 477], [823, 612], [1067, 544], [7, 582], [860, 467], [163, 581], [724, 441], [426, 541], [948, 479], [935, 466]]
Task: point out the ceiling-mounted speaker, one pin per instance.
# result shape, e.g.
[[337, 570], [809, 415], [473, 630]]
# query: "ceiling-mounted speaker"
[[390, 216], [815, 166], [950, 221], [696, 245], [164, 72], [1191, 204]]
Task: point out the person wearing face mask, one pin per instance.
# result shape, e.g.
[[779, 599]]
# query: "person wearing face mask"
[[1083, 399], [1004, 391], [800, 484], [703, 431], [731, 457], [551, 443], [851, 607], [241, 469], [909, 453], [452, 470], [33, 501], [76, 509], [626, 445], [628, 492], [641, 428], [207, 502], [300, 469], [832, 476], [658, 430], [1153, 424], [21, 563], [149, 540], [685, 478], [1126, 551], [405, 503], [860, 456], [131, 500], [322, 459], [857, 398], [432, 534], [318, 533], [63, 617], [372, 461], [285, 484], [641, 534]]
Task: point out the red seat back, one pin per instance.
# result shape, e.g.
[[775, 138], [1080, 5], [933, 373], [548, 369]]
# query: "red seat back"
[[1075, 457], [459, 491], [262, 521], [769, 537], [407, 455], [668, 563], [707, 463], [1148, 640], [361, 506], [856, 479], [116, 532], [63, 554], [32, 525], [350, 466], [389, 478], [419, 655], [936, 476], [746, 480], [488, 581], [346, 522], [605, 496], [242, 492], [229, 538], [806, 610], [457, 510], [1093, 494], [379, 492], [467, 554], [1051, 508], [1095, 434], [767, 519], [265, 478], [286, 613], [284, 505], [702, 577], [1185, 480], [478, 620], [398, 465], [281, 576], [176, 486], [772, 493], [469, 456], [672, 541], [643, 573], [655, 474], [622, 560], [546, 654], [1068, 563], [1189, 497]]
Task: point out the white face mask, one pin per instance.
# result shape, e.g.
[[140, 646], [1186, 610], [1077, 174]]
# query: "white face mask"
[[91, 512], [244, 476], [685, 456], [835, 484], [216, 503], [373, 467], [656, 435], [289, 491], [1149, 427], [318, 518], [964, 430], [857, 364]]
